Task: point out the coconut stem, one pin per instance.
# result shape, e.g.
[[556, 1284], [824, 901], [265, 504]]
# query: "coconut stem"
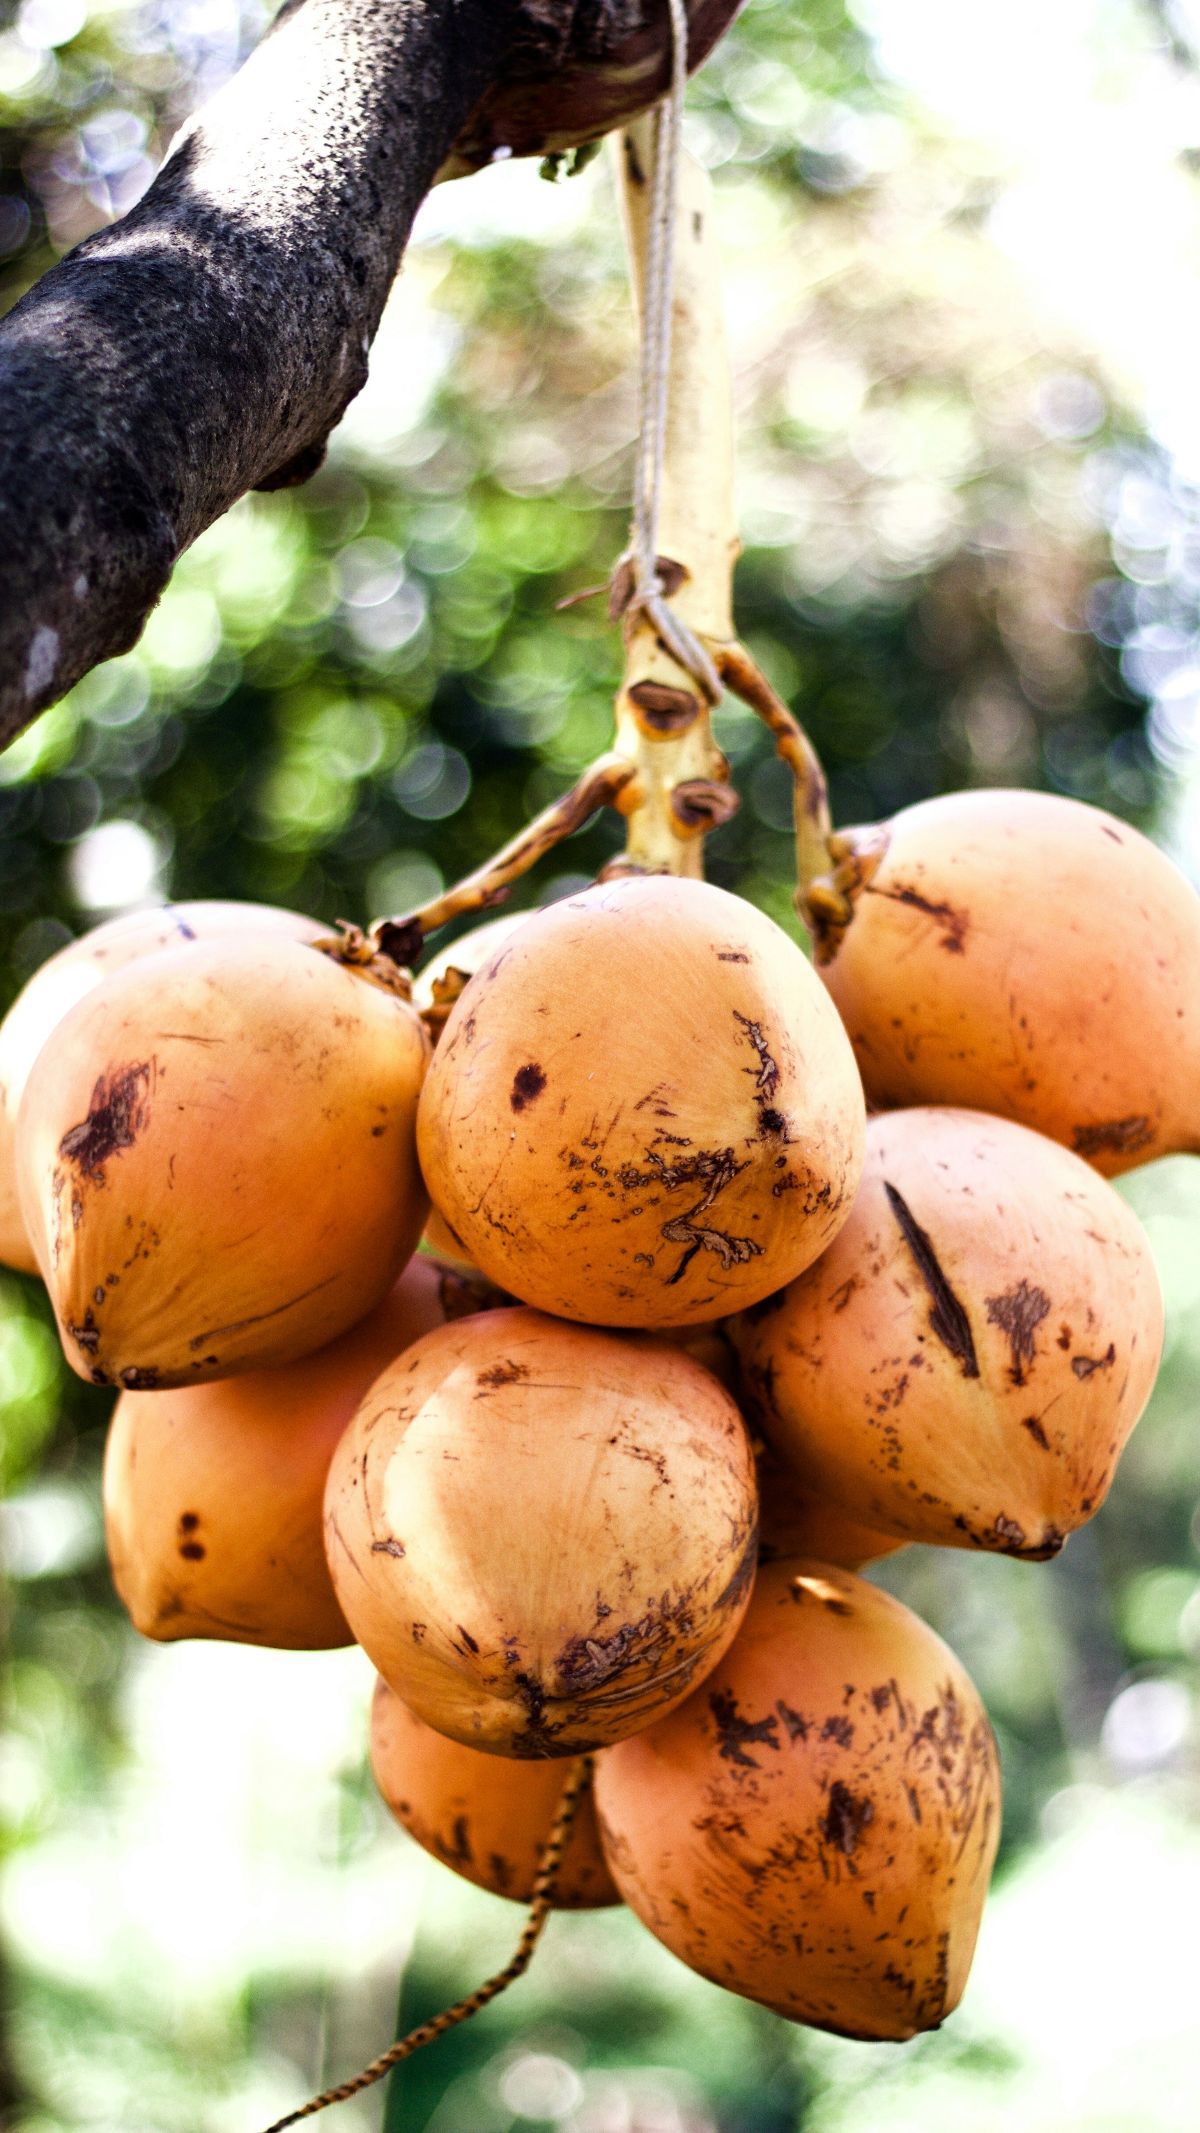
[[742, 674], [681, 787], [401, 939], [550, 1860]]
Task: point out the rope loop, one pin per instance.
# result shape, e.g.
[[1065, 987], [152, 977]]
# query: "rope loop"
[[641, 556]]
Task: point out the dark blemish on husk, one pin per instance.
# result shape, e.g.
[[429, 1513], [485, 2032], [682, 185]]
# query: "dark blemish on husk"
[[714, 1169], [947, 1319], [736, 1734], [954, 923], [1008, 1532], [117, 1112], [1019, 1313], [86, 1335], [744, 1573], [1084, 1365], [838, 1728], [188, 1521], [389, 1547], [528, 1083], [1031, 1423], [586, 1663], [766, 1079], [194, 1551], [143, 1380], [1118, 1136], [845, 1819], [506, 1373], [732, 955], [796, 1723], [458, 1850]]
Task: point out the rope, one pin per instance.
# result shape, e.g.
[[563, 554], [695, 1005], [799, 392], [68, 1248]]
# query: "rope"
[[541, 1904], [654, 377]]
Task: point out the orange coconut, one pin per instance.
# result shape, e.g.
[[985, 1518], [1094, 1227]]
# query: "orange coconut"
[[438, 983], [486, 1817], [966, 1361], [794, 1520], [642, 1110], [213, 1493], [1023, 953], [66, 977], [541, 1534], [216, 1159], [815, 1827], [436, 987]]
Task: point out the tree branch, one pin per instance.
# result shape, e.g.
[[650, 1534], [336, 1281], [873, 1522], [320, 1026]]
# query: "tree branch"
[[208, 342]]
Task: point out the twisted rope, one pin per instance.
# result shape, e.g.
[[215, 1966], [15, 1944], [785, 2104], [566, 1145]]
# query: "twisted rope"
[[541, 1904], [654, 378]]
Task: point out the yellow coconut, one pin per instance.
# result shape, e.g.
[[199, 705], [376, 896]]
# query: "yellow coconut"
[[66, 977], [483, 1815], [213, 1493], [1023, 953], [439, 981], [435, 989], [794, 1520], [966, 1361], [642, 1110], [216, 1159], [541, 1534], [815, 1827]]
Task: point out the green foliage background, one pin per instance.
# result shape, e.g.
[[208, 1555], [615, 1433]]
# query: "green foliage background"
[[966, 562]]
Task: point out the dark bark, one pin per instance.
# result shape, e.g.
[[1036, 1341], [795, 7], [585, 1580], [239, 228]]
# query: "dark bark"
[[208, 342]]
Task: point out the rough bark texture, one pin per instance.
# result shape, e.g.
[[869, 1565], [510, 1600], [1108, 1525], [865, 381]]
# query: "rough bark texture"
[[208, 342]]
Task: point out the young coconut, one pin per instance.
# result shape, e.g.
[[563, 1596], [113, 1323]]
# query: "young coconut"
[[216, 1159], [542, 1535], [486, 1817], [642, 1110], [66, 977], [965, 1363], [439, 982], [816, 1826], [793, 1520], [1023, 953], [213, 1493], [435, 989]]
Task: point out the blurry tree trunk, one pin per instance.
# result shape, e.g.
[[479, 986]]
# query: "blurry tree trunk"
[[207, 343]]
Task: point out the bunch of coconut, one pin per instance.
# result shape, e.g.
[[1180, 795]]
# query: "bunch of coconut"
[[698, 1343]]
